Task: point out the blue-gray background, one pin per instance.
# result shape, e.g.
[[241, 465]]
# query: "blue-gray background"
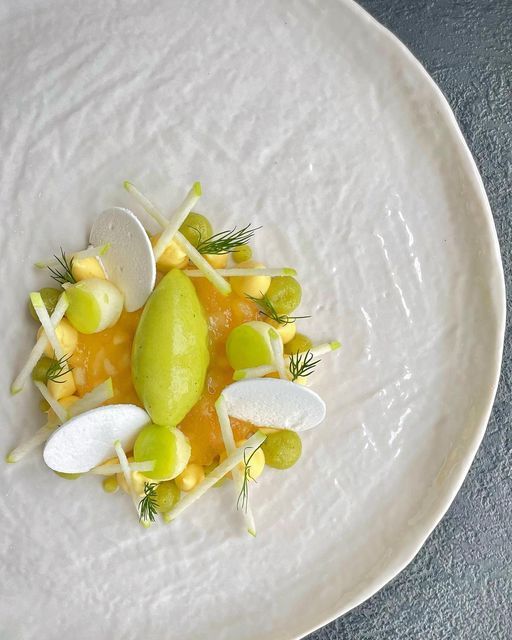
[[460, 584]]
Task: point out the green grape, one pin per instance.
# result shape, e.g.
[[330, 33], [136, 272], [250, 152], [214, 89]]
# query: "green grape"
[[242, 253], [167, 495], [282, 449], [50, 298], [68, 476], [196, 228], [110, 484], [299, 343], [44, 405], [167, 446], [285, 294], [248, 345], [39, 372]]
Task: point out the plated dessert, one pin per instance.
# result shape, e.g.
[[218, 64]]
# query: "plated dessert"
[[169, 364]]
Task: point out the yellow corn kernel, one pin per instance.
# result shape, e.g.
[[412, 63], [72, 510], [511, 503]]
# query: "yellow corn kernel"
[[172, 258], [138, 479], [84, 268], [110, 484], [64, 387], [121, 479], [68, 401], [254, 286], [257, 463], [111, 461], [67, 335], [217, 261], [286, 331], [138, 482], [192, 475]]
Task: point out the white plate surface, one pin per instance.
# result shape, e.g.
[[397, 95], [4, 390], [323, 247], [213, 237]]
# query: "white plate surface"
[[311, 120]]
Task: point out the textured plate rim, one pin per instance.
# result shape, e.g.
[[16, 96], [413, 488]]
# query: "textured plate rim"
[[454, 484]]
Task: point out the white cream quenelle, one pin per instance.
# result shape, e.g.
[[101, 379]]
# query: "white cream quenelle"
[[269, 402]]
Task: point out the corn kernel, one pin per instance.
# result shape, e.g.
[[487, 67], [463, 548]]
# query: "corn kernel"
[[257, 463], [286, 331], [138, 479], [192, 475], [67, 336], [84, 268], [68, 401], [110, 484], [172, 258], [254, 286], [64, 387], [217, 261]]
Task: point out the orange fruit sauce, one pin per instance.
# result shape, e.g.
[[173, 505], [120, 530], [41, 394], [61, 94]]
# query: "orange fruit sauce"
[[108, 354]]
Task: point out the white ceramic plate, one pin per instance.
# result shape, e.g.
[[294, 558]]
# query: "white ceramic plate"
[[313, 121]]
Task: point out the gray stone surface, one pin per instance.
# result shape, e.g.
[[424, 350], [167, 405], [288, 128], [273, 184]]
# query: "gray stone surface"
[[460, 584]]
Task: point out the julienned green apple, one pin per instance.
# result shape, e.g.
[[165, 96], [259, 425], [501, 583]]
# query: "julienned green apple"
[[170, 351]]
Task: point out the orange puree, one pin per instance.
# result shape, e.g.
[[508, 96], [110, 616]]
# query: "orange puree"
[[201, 424], [108, 354]]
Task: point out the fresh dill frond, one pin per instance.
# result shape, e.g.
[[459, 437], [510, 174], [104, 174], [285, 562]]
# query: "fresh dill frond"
[[58, 369], [267, 309], [148, 506], [62, 273], [302, 364], [243, 497], [226, 241]]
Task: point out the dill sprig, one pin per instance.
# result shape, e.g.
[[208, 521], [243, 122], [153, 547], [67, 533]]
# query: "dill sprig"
[[62, 273], [225, 241], [267, 309], [243, 497], [58, 369], [148, 506], [302, 364]]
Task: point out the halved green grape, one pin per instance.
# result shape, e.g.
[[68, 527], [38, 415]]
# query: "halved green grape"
[[167, 495], [298, 344], [110, 484], [39, 372], [282, 449], [249, 345], [94, 305], [196, 228], [68, 476], [285, 294], [167, 446], [242, 253], [50, 297]]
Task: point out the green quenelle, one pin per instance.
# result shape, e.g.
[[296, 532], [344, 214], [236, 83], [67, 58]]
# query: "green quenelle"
[[170, 351]]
